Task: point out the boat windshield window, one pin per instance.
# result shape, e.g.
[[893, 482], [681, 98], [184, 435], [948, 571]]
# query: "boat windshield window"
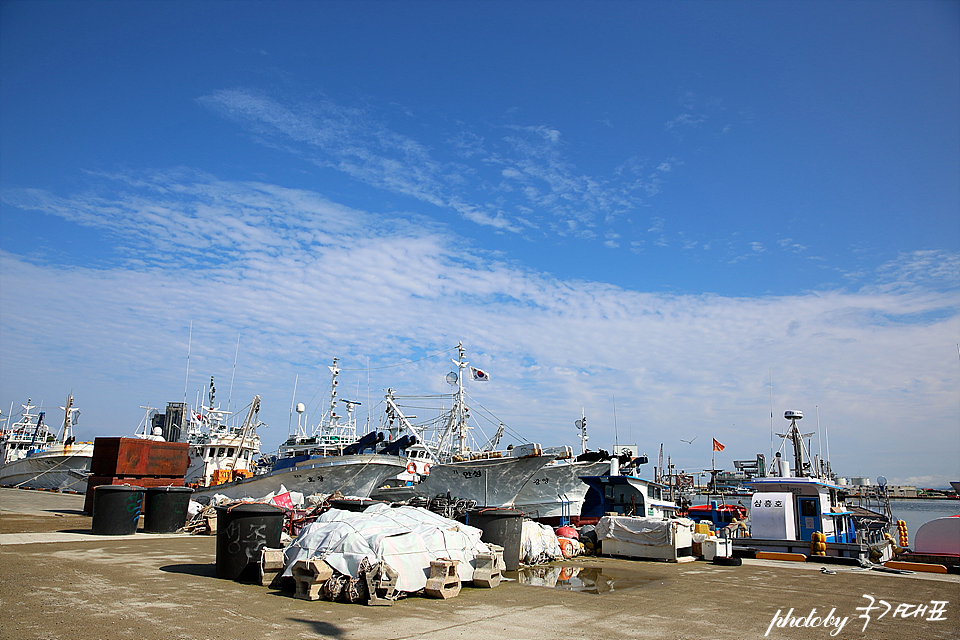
[[220, 452], [230, 452]]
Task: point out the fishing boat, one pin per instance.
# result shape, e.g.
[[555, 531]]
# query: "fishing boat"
[[35, 457], [555, 494], [790, 507], [221, 452], [936, 542], [452, 464], [330, 458], [718, 513], [625, 493]]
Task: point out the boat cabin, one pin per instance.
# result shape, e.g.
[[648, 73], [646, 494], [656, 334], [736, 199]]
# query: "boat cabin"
[[794, 508], [625, 495]]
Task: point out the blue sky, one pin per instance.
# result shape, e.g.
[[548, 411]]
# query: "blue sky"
[[668, 204]]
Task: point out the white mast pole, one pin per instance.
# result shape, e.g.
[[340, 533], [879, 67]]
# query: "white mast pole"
[[234, 374], [292, 400], [186, 381]]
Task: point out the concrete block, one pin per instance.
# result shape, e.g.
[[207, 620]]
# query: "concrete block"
[[443, 581], [382, 585], [497, 550], [486, 573], [271, 566], [310, 576]]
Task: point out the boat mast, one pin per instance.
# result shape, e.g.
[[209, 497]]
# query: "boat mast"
[[582, 426], [459, 408], [252, 417], [801, 457], [332, 419], [68, 418]]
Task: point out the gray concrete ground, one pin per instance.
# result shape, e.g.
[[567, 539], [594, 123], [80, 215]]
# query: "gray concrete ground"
[[58, 581]]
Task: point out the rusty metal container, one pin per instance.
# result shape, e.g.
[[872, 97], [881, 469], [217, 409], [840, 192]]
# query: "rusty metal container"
[[137, 457]]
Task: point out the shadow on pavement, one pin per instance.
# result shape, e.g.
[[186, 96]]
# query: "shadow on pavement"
[[67, 512], [207, 570], [321, 628]]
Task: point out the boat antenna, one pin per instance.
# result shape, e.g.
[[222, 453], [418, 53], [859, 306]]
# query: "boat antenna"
[[292, 400], [771, 414], [186, 381], [819, 442], [234, 374], [616, 440], [826, 436]]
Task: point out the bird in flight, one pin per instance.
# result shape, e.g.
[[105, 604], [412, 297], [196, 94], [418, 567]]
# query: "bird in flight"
[[689, 441]]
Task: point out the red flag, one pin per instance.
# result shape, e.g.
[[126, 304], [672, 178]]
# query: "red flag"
[[717, 446]]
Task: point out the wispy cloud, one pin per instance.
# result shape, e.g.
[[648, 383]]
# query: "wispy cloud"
[[303, 279], [525, 167]]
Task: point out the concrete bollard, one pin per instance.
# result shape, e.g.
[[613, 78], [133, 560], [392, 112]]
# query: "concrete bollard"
[[443, 581], [310, 576]]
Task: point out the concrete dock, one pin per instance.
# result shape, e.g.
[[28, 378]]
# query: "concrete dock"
[[58, 581]]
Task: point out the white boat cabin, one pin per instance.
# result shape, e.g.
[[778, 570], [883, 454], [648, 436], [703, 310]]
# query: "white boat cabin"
[[794, 508]]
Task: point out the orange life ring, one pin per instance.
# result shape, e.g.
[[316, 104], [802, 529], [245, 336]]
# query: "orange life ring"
[[411, 467], [426, 469]]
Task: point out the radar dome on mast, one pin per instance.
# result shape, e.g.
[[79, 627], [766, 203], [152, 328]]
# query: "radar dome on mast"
[[793, 415]]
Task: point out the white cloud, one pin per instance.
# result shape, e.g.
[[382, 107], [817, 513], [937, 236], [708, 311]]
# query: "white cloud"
[[304, 280], [684, 120]]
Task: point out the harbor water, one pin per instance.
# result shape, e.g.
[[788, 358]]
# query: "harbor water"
[[918, 512]]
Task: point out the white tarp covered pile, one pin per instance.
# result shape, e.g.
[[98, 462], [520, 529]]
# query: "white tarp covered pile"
[[654, 532], [538, 544], [406, 538]]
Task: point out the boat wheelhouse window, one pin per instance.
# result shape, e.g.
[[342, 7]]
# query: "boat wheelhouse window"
[[230, 452], [808, 508], [220, 452], [210, 452]]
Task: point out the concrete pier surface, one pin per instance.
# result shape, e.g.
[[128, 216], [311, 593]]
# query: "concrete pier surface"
[[58, 581]]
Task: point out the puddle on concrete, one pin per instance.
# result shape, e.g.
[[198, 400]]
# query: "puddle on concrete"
[[571, 577]]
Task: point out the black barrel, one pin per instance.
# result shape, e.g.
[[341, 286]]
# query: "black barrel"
[[243, 529], [501, 527], [116, 509], [165, 509]]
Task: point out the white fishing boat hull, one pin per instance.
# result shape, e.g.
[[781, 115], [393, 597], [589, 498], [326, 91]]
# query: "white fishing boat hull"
[[59, 467], [556, 491], [491, 482], [353, 475]]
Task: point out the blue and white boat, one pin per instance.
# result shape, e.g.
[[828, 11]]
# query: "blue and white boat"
[[788, 506], [625, 493]]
